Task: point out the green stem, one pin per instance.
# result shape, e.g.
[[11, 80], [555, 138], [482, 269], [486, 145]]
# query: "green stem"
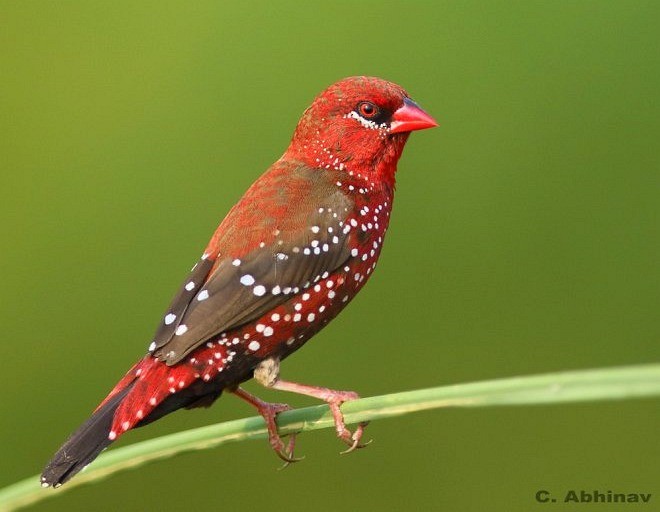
[[575, 386]]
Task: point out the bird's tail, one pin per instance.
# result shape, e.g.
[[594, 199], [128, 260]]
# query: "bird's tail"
[[143, 395], [84, 445]]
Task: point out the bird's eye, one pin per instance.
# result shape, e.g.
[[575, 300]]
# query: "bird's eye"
[[367, 110]]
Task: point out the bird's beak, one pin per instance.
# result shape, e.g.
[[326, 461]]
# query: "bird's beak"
[[410, 117]]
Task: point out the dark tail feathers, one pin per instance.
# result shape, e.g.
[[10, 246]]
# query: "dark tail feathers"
[[84, 445]]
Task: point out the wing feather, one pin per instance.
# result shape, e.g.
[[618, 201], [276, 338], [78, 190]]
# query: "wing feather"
[[231, 291]]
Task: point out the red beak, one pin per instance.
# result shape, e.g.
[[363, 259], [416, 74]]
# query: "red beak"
[[410, 117]]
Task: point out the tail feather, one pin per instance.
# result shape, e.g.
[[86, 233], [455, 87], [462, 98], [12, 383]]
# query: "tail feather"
[[84, 445], [145, 394]]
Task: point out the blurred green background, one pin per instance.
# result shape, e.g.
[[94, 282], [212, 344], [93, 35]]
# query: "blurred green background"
[[525, 237]]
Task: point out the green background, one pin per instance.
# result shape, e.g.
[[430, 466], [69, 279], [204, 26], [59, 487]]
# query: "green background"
[[525, 236]]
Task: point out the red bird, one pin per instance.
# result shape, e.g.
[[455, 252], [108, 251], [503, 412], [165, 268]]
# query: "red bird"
[[288, 257]]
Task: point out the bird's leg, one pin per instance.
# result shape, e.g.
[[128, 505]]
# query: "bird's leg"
[[267, 374], [269, 412]]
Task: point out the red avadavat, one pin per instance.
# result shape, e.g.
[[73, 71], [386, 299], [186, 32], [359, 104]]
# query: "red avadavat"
[[288, 257]]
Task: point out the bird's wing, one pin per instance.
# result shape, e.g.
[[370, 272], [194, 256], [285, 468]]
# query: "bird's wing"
[[264, 257]]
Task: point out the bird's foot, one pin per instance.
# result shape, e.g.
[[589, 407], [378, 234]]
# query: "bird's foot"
[[353, 439], [334, 399], [269, 412]]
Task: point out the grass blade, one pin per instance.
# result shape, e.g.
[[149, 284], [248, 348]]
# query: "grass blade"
[[575, 386]]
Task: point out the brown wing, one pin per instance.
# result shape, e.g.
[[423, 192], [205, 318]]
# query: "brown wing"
[[231, 291]]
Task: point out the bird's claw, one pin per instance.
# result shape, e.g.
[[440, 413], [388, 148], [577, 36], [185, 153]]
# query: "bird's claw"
[[284, 452], [269, 412], [354, 440]]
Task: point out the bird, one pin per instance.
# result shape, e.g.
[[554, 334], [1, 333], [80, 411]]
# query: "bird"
[[287, 258]]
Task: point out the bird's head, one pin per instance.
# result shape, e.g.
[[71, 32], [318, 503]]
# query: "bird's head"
[[359, 123]]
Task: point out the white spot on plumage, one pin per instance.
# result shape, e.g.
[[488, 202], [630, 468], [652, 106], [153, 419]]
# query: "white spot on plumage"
[[152, 347], [112, 435], [169, 318], [125, 425], [259, 290], [254, 346], [203, 295], [247, 280], [276, 290], [275, 317], [311, 317], [190, 285], [236, 262], [315, 229], [260, 327], [182, 329], [354, 252], [268, 331], [297, 317]]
